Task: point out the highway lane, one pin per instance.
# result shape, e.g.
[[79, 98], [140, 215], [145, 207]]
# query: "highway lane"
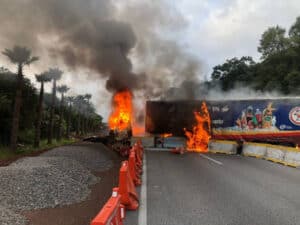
[[192, 189]]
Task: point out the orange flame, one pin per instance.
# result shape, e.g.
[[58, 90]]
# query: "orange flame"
[[138, 130], [198, 139], [166, 135], [120, 117]]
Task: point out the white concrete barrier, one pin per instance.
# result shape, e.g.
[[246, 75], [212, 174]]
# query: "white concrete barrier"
[[280, 154], [275, 153], [220, 146], [257, 150], [173, 142], [292, 157], [147, 141]]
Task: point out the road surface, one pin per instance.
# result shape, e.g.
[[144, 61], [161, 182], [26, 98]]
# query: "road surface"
[[215, 189]]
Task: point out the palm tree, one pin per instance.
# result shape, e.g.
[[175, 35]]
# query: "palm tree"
[[70, 100], [22, 57], [55, 75], [88, 97], [78, 102], [87, 104], [4, 70], [61, 89], [42, 78]]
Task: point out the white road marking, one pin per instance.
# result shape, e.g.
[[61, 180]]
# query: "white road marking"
[[142, 218], [211, 159]]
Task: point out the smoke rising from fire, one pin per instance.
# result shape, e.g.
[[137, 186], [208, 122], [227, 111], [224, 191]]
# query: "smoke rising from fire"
[[128, 43]]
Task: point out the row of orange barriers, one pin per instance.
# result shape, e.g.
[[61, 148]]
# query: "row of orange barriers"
[[125, 196]]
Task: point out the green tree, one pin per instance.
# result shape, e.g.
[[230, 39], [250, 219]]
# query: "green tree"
[[5, 111], [83, 114], [5, 104], [87, 111], [79, 102], [4, 70], [55, 75], [278, 70], [70, 101], [294, 33], [41, 78], [21, 56], [8, 84], [88, 97], [272, 41], [234, 71], [293, 82], [62, 90]]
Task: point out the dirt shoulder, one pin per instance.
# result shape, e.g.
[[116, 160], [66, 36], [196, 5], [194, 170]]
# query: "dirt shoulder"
[[81, 213]]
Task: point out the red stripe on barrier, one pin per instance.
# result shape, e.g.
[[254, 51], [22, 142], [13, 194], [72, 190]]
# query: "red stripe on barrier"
[[280, 136]]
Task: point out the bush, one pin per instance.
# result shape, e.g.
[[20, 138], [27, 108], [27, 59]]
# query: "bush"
[[26, 136]]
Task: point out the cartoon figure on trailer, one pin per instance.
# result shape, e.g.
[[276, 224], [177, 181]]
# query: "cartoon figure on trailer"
[[259, 120], [248, 119], [269, 120], [258, 116]]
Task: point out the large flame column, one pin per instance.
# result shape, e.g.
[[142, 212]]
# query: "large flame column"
[[198, 138], [121, 115]]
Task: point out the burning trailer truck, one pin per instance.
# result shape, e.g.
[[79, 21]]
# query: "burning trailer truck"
[[120, 121], [275, 121]]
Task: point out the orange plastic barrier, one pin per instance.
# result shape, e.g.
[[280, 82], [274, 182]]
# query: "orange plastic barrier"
[[140, 148], [129, 197], [113, 212], [139, 163], [133, 168], [138, 158]]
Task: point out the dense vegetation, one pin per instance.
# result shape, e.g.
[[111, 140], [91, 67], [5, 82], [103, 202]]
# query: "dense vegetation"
[[278, 69], [42, 116]]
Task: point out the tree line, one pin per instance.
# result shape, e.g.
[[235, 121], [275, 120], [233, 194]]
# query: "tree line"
[[278, 70], [28, 115]]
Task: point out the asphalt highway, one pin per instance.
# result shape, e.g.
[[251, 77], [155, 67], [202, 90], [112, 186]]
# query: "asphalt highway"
[[216, 189]]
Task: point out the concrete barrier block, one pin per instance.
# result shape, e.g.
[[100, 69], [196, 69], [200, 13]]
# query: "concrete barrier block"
[[226, 147], [292, 158], [173, 142], [275, 154], [254, 149], [146, 141]]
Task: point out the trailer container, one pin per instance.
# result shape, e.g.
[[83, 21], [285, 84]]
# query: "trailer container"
[[260, 120]]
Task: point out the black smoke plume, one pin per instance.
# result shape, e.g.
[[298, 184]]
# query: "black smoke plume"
[[104, 36]]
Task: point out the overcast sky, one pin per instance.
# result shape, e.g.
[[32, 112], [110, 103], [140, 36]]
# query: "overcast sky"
[[222, 29], [215, 30]]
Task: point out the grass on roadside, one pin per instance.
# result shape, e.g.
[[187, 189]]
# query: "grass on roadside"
[[6, 153]]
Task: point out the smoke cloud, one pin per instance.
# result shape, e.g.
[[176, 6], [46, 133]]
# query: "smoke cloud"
[[128, 43], [165, 62]]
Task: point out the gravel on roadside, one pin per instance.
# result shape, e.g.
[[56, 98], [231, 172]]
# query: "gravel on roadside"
[[8, 217], [90, 158], [59, 177]]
